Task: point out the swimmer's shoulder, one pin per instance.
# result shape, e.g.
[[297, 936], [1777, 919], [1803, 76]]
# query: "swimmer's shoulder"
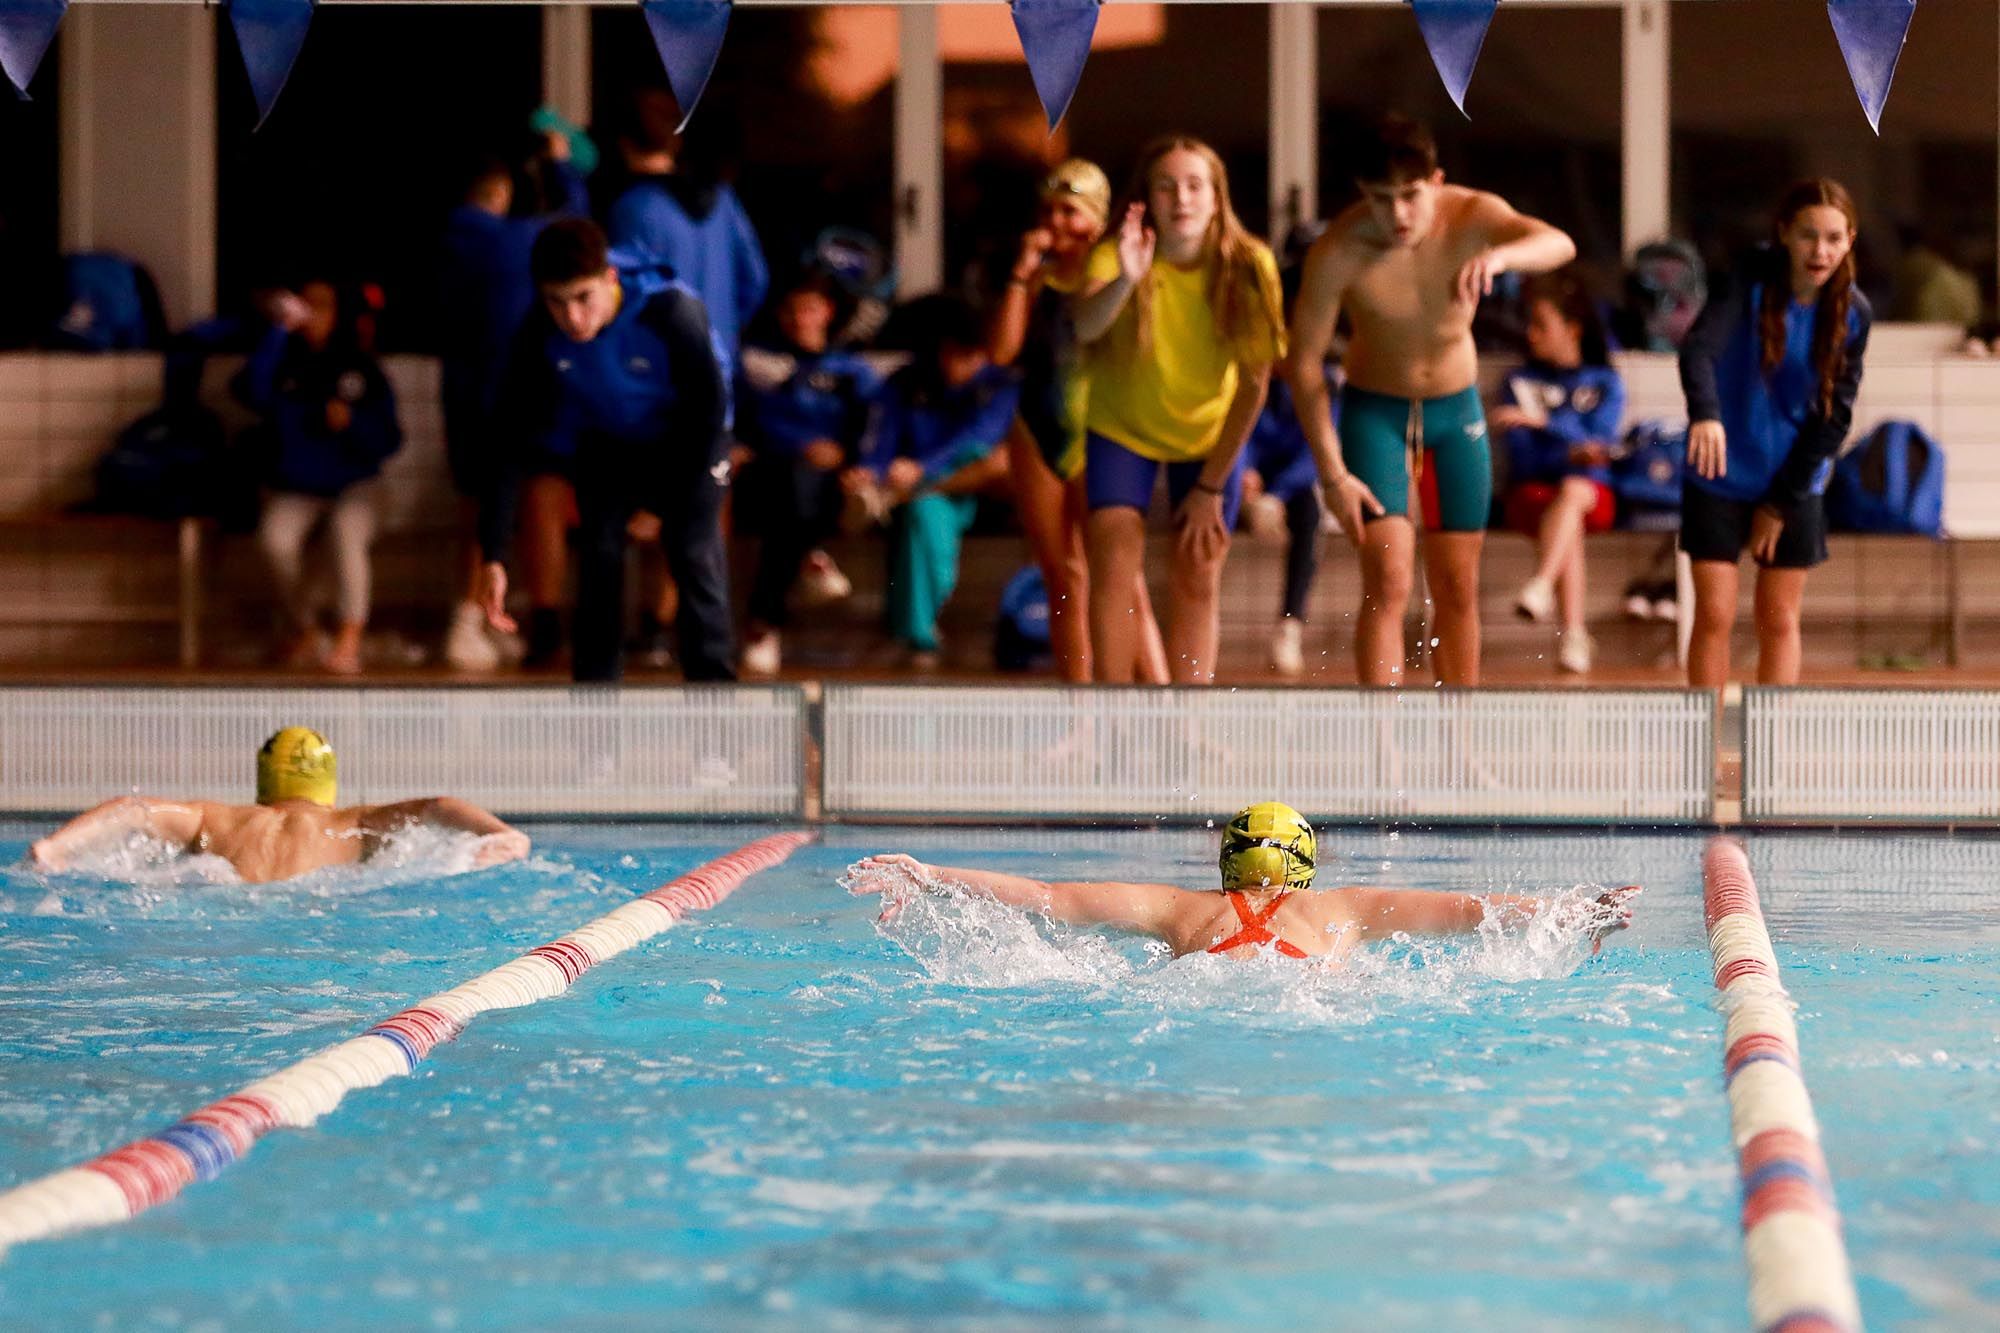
[[1350, 239]]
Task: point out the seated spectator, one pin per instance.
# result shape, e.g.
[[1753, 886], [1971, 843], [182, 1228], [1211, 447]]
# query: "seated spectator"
[[932, 446], [329, 424], [1558, 424], [1281, 494], [801, 411]]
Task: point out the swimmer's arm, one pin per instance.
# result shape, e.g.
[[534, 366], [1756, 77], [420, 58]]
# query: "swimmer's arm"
[[1380, 913], [1516, 242], [1330, 266], [1140, 907], [499, 840], [175, 823]]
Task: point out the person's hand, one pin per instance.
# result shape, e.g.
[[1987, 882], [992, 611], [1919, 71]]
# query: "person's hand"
[[287, 311], [823, 455], [46, 855], [339, 416], [892, 875], [1135, 244], [1200, 532], [643, 526], [857, 481], [1475, 280], [1612, 912], [1766, 526], [556, 144], [498, 848], [1033, 254], [493, 596], [1352, 504], [903, 477], [1508, 416], [1708, 449], [1589, 454]]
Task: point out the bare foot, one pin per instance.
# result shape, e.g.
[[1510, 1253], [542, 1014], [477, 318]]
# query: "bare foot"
[[344, 659]]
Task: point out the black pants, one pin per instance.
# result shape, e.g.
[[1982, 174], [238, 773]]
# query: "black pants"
[[793, 508], [690, 510], [1302, 518]]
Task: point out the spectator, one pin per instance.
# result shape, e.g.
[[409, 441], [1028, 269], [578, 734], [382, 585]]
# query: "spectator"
[[1032, 328], [616, 378], [1559, 423], [932, 447], [486, 294], [801, 411], [1184, 318], [329, 422], [1930, 289], [1282, 481], [1770, 370]]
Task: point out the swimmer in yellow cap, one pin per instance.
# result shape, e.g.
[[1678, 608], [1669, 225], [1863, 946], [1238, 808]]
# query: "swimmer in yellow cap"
[[293, 829], [1265, 901]]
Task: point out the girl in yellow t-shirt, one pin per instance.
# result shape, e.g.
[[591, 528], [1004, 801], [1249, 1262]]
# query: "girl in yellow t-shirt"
[[1184, 321], [1033, 330]]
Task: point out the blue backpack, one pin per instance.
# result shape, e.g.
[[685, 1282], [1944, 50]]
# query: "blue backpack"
[[1892, 482], [1646, 474], [108, 303], [1021, 636]]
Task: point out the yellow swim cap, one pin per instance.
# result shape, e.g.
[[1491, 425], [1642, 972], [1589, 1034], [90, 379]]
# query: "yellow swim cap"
[[296, 764], [1268, 843]]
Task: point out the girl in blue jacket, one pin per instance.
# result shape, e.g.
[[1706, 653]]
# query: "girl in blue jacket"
[[329, 425], [1770, 370], [1558, 422]]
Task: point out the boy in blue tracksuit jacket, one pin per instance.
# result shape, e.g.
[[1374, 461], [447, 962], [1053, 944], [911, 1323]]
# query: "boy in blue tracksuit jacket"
[[617, 380], [932, 445], [329, 423], [1771, 369], [801, 410]]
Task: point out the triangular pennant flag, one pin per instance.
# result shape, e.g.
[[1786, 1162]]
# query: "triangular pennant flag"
[[1454, 30], [1055, 38], [269, 33], [689, 35], [1871, 34], [26, 29]]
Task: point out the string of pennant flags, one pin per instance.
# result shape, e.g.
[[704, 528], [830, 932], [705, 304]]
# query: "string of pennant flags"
[[1055, 39]]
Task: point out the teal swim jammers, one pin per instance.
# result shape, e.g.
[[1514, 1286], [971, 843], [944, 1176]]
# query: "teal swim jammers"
[[1379, 433]]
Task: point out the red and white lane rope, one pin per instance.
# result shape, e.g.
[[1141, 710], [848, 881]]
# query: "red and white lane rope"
[[142, 1174], [1799, 1276]]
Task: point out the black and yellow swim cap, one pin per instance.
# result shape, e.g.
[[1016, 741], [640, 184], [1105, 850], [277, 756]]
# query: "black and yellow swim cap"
[[1267, 844], [296, 764]]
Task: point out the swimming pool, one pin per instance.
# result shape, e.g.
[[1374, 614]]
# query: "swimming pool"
[[775, 1116]]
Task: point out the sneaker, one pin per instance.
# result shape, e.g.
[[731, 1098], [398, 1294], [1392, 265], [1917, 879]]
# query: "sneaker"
[[653, 646], [863, 510], [467, 645], [820, 581], [1577, 651], [1638, 606], [1536, 601], [761, 656], [1288, 657], [1264, 519]]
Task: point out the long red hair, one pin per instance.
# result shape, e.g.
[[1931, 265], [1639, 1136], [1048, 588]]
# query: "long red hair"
[[1229, 252], [1836, 294]]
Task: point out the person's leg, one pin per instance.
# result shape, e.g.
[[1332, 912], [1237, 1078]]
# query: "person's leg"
[[1570, 592], [1451, 569], [1388, 573], [1042, 502], [597, 624], [1458, 502], [1194, 629], [1561, 530], [282, 529], [548, 512], [780, 493], [1714, 618], [926, 533], [1118, 485], [1779, 595], [698, 559], [352, 529], [1302, 522], [1069, 596]]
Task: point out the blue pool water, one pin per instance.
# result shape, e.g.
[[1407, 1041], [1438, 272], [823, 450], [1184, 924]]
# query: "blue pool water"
[[776, 1116]]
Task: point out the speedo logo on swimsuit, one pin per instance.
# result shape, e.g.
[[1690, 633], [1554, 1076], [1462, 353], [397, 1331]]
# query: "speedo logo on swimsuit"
[[1474, 429]]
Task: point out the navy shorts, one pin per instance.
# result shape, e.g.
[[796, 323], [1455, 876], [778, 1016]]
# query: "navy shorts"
[[1713, 528], [1114, 477]]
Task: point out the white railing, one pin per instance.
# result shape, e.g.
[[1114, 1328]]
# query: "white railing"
[[683, 751], [1922, 756], [1642, 756]]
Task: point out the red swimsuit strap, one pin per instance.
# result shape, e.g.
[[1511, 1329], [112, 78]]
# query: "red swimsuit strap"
[[1254, 930]]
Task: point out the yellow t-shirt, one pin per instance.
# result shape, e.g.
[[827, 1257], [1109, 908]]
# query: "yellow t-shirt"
[[1168, 402]]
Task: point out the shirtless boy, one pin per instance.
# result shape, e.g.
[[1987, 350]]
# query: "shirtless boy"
[[1266, 898], [1409, 264], [292, 830]]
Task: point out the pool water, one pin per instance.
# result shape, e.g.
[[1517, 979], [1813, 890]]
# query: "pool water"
[[778, 1115]]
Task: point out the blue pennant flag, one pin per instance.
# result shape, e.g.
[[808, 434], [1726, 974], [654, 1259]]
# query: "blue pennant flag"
[[1055, 38], [26, 29], [689, 35], [1871, 34], [1454, 30], [269, 33]]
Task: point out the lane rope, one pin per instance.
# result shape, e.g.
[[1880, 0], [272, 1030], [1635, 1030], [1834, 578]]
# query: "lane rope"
[[147, 1172], [1800, 1281]]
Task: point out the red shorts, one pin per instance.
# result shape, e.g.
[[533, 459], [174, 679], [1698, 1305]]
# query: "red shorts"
[[1527, 503]]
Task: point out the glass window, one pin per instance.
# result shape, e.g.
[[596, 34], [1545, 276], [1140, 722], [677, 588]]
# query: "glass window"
[[1746, 127], [1544, 110], [385, 113], [28, 202]]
